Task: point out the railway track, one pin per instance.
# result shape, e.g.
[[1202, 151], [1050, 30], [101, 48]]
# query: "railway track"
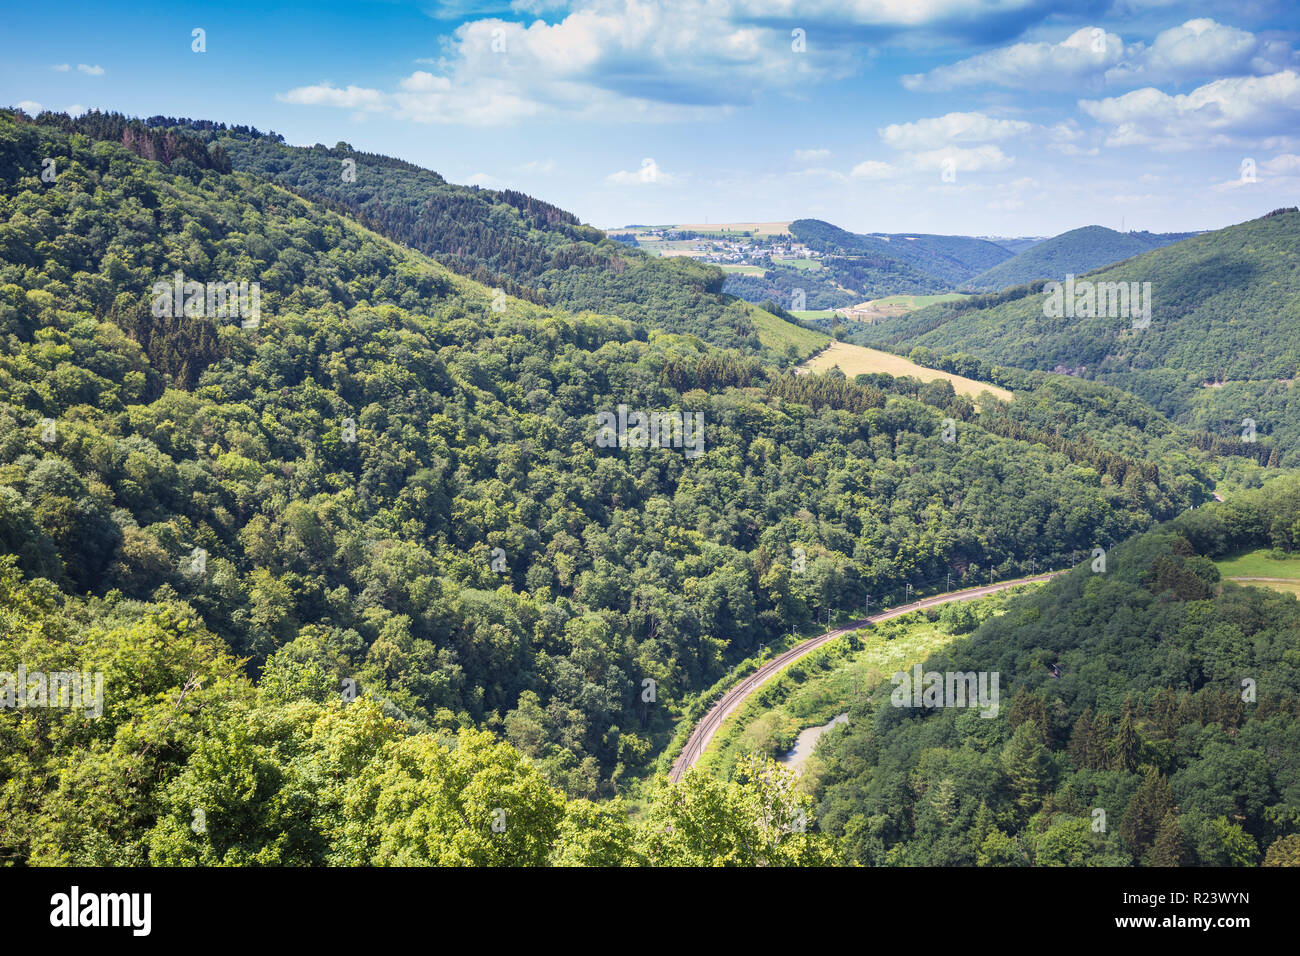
[[698, 742]]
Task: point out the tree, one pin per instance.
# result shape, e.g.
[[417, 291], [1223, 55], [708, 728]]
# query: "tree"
[[1126, 746], [1025, 762], [596, 834], [1285, 851], [476, 802], [1170, 847], [1146, 812]]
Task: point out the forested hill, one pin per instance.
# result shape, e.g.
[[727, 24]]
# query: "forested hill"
[[1223, 344], [946, 261], [503, 239], [1148, 714], [389, 480], [1071, 253]]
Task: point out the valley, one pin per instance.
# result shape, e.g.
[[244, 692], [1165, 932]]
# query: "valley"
[[363, 539]]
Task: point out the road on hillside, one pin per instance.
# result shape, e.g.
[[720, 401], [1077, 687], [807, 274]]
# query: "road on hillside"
[[733, 698]]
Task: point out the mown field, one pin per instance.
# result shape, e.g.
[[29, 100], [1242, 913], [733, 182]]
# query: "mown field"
[[1279, 573], [911, 302], [856, 360]]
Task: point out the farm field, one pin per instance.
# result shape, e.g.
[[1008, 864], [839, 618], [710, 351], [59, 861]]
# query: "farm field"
[[912, 302], [727, 228], [1260, 569], [856, 360]]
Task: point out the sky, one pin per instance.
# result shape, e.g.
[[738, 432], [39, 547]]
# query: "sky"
[[974, 117]]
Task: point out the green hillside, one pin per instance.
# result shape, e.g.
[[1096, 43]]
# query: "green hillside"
[[1225, 308], [1071, 253], [505, 240], [1148, 711], [359, 567]]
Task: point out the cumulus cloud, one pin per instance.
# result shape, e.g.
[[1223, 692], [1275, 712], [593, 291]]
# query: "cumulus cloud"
[[811, 155], [873, 169], [30, 107], [608, 59], [90, 70], [649, 173], [323, 94], [950, 129], [61, 67], [978, 159], [1286, 164], [897, 13], [1200, 48], [1086, 52], [1196, 49], [1225, 112]]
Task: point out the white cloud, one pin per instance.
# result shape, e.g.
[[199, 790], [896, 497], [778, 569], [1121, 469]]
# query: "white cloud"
[[612, 60], [1064, 138], [543, 166], [323, 94], [1197, 49], [30, 107], [61, 67], [90, 70], [873, 169], [811, 155], [1085, 52], [978, 159], [1224, 112], [485, 180], [1286, 164], [950, 129], [649, 173], [905, 13], [1200, 48]]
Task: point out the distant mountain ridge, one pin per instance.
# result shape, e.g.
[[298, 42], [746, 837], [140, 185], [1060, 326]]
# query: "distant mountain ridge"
[[1226, 312], [1071, 253], [950, 259]]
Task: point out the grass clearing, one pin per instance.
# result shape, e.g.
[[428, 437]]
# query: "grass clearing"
[[856, 360], [778, 335], [1283, 570], [912, 302], [1260, 563]]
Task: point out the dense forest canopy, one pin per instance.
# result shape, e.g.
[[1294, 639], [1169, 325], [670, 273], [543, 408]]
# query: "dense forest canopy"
[[1222, 346], [1153, 714], [358, 568]]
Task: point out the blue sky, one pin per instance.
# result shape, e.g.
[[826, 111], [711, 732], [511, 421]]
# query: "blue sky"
[[980, 117]]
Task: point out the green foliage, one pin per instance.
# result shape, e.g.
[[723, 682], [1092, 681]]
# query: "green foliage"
[[1071, 253], [1223, 310], [1125, 698]]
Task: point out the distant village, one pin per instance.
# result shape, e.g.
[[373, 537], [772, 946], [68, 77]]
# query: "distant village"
[[742, 250]]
